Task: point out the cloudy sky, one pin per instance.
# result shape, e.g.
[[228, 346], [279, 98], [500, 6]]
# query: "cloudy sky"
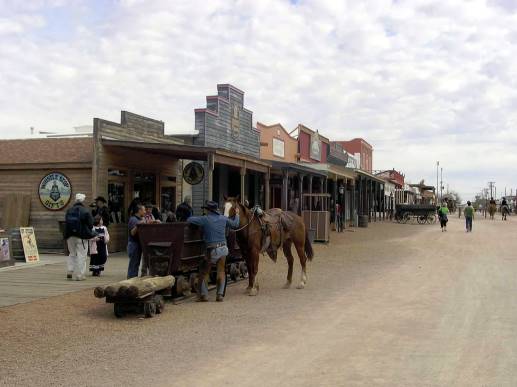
[[420, 80]]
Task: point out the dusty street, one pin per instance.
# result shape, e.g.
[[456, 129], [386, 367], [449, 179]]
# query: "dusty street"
[[398, 305]]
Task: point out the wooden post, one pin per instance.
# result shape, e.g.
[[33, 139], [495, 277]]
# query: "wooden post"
[[210, 176], [300, 182], [267, 177], [243, 181]]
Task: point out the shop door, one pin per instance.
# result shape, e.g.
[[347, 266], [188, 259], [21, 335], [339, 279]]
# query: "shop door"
[[144, 187]]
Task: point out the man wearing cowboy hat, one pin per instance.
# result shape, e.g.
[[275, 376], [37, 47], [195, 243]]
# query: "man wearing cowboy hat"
[[214, 233], [102, 210]]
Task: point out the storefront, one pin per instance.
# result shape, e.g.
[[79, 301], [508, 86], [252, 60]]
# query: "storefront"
[[235, 167]]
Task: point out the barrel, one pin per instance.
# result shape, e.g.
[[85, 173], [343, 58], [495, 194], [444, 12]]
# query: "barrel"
[[16, 245], [363, 221]]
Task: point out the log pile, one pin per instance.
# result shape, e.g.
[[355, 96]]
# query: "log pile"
[[135, 287]]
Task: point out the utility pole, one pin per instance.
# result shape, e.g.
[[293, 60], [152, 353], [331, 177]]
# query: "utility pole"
[[436, 191], [441, 184], [491, 185]]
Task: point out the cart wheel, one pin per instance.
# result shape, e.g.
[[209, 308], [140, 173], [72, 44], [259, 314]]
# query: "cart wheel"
[[243, 269], [118, 310], [421, 219], [234, 272], [431, 219], [406, 218], [149, 309], [159, 303], [193, 282]]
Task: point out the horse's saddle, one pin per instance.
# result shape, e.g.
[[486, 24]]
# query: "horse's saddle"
[[275, 224]]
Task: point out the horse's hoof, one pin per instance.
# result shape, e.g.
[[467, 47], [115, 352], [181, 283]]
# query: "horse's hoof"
[[301, 286], [253, 292], [247, 290], [287, 285]]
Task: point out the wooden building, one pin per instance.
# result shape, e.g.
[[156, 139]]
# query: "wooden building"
[[119, 161]]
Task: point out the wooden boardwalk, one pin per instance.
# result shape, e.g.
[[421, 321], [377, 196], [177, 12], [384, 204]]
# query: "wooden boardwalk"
[[27, 283]]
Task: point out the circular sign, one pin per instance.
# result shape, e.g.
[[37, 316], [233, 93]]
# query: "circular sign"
[[193, 173], [54, 191]]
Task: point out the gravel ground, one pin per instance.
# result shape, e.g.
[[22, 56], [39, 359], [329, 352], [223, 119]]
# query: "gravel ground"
[[400, 305]]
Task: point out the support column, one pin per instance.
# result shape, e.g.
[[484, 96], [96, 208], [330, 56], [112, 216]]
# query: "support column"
[[300, 182], [243, 182], [267, 193], [285, 183], [210, 176]]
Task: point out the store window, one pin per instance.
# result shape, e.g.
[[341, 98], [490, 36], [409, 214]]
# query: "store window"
[[168, 201], [144, 187], [116, 202]]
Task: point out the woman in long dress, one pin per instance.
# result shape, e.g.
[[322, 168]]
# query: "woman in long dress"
[[98, 247]]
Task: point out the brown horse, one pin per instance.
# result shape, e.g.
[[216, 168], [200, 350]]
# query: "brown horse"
[[492, 208], [285, 229]]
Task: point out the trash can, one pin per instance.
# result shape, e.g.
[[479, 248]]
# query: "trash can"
[[363, 221]]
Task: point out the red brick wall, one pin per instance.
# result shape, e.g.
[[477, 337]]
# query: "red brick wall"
[[304, 143]]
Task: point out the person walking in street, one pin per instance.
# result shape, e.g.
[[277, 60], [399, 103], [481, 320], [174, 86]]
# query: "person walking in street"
[[184, 210], [102, 210], [98, 247], [442, 215], [469, 216], [134, 250], [78, 231], [214, 233]]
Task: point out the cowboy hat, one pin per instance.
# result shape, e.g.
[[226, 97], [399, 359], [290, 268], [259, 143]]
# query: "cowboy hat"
[[211, 206], [100, 199]]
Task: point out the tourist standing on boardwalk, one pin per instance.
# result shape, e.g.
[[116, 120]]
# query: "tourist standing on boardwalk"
[[99, 246], [78, 230], [102, 210], [214, 233], [134, 250], [184, 210], [469, 216], [442, 215]]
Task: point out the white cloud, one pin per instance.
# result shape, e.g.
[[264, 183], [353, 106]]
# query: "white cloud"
[[420, 80]]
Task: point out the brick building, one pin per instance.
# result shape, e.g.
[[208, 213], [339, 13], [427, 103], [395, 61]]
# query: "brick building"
[[362, 150]]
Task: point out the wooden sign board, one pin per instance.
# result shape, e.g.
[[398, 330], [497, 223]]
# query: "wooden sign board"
[[5, 251], [30, 248]]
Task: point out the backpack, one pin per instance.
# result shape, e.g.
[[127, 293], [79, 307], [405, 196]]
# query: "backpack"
[[73, 221]]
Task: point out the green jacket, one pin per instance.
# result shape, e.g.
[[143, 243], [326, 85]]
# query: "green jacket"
[[469, 212]]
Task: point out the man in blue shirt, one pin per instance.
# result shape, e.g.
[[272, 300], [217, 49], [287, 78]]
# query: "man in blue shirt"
[[214, 233]]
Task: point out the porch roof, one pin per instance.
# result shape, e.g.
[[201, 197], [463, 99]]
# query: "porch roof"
[[301, 168], [332, 170]]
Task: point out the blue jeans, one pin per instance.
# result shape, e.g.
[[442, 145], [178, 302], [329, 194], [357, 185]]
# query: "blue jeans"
[[468, 222], [135, 254]]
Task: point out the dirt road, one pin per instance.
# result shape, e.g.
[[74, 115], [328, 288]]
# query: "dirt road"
[[398, 305]]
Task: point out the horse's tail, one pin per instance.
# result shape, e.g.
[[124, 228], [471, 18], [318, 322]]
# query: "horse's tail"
[[309, 252]]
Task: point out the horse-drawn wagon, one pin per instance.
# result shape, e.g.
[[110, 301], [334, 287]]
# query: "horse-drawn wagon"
[[177, 248], [422, 213]]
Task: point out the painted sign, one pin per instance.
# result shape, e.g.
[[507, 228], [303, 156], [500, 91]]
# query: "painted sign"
[[5, 251], [278, 147], [54, 191], [315, 151], [236, 121], [193, 173], [30, 248]]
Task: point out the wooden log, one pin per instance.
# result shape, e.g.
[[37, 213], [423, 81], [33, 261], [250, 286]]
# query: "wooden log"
[[99, 292], [148, 285], [112, 290]]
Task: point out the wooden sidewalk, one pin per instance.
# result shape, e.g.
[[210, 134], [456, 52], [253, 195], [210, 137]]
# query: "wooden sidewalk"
[[27, 283]]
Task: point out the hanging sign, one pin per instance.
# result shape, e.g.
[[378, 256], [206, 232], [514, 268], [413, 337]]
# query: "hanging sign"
[[315, 150], [54, 191], [30, 248], [193, 173]]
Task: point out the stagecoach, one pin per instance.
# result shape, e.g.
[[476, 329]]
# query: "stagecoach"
[[423, 213]]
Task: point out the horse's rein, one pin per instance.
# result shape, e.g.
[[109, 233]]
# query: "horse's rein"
[[246, 225]]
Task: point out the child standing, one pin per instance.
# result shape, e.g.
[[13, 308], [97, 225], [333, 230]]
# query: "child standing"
[[98, 247]]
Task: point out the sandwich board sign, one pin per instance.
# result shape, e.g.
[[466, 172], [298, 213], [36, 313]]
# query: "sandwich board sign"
[[30, 248]]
